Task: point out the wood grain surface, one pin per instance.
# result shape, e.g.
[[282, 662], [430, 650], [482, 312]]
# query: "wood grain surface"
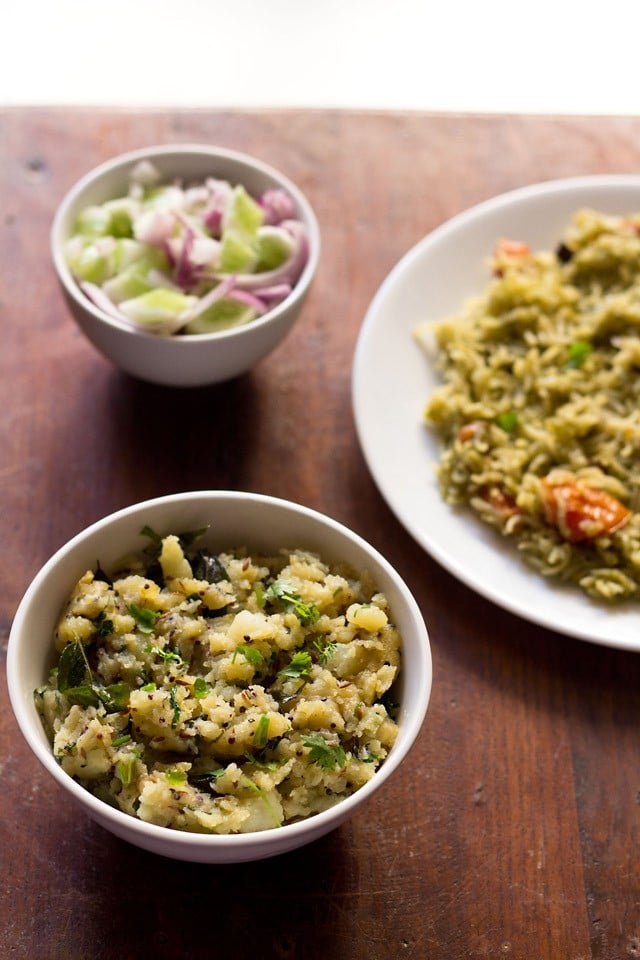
[[513, 831]]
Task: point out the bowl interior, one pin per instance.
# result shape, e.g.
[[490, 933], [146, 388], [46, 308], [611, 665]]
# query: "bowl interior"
[[190, 163]]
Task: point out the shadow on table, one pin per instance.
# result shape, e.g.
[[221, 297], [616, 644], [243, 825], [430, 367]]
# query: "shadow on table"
[[169, 440], [134, 904]]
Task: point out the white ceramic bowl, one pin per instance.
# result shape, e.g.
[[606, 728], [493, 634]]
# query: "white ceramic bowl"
[[236, 519], [190, 360]]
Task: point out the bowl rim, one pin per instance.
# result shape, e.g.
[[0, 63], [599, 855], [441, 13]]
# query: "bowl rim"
[[285, 836], [306, 215]]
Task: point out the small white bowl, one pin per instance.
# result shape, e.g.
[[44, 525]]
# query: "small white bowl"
[[260, 523], [188, 360]]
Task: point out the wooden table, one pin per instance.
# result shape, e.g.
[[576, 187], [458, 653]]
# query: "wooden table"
[[515, 830]]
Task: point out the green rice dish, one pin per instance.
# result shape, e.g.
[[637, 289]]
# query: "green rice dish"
[[539, 411], [222, 693]]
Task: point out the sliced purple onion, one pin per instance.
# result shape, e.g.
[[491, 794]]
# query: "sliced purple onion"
[[277, 206], [289, 272], [250, 299], [98, 297], [275, 293], [217, 293], [154, 227]]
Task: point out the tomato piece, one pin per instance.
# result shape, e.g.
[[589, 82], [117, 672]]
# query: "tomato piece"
[[512, 248], [503, 504], [580, 512], [468, 430], [505, 250]]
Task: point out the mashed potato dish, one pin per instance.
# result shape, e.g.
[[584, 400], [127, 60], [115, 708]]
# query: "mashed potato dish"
[[539, 411], [222, 693]]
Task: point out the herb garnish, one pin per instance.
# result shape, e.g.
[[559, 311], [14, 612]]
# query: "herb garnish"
[[578, 352], [298, 666], [207, 778], [175, 707], [207, 566], [325, 648], [147, 531], [105, 627], [145, 619], [124, 770], [326, 755], [118, 742], [200, 688], [75, 680], [169, 656], [252, 654], [282, 593], [177, 778], [262, 731], [507, 421]]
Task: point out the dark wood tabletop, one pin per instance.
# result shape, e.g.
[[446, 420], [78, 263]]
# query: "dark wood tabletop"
[[514, 831]]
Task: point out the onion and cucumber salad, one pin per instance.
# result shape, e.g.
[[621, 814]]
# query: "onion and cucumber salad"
[[187, 259]]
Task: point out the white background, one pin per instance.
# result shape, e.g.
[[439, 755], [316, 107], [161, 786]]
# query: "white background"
[[481, 55]]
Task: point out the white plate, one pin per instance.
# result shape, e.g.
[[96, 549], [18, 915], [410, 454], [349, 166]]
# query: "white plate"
[[392, 380]]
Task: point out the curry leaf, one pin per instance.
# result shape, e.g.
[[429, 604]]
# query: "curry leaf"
[[73, 667]]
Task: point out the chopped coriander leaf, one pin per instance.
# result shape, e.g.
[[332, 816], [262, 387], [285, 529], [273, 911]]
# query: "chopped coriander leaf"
[[248, 783], [119, 741], [507, 421], [176, 778], [577, 354], [259, 592], [262, 731], [149, 687], [124, 771], [298, 666], [145, 619], [200, 688], [175, 707], [190, 536], [327, 755], [105, 626], [151, 534], [169, 656], [263, 764], [325, 649], [207, 778], [281, 592], [252, 654]]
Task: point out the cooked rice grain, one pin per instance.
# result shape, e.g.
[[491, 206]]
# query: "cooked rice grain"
[[540, 375]]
